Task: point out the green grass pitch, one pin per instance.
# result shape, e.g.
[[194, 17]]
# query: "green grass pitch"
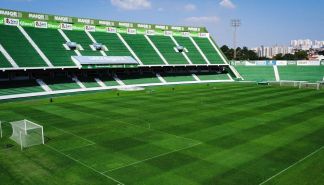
[[195, 134]]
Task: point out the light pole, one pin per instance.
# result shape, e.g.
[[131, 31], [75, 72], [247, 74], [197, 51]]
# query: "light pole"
[[235, 23]]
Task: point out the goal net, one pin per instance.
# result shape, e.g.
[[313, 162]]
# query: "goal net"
[[27, 133], [316, 86], [290, 83]]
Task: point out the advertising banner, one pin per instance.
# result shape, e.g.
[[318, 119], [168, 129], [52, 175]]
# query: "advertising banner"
[[281, 63], [308, 63]]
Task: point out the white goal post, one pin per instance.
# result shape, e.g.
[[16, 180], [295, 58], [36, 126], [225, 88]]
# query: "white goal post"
[[316, 86], [0, 129], [291, 83], [27, 133]]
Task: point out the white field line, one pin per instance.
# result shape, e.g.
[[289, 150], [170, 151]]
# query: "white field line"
[[74, 148], [74, 135], [83, 164], [301, 160], [163, 154], [158, 130]]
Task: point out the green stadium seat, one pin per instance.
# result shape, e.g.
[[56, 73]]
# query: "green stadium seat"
[[61, 84], [89, 82], [82, 38], [51, 43], [109, 81], [178, 77], [4, 63], [19, 48], [139, 79], [143, 49], [19, 87], [301, 73], [256, 73], [212, 76], [166, 46], [193, 53], [209, 51], [115, 46]]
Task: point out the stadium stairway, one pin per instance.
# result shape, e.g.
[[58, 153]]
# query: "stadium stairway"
[[167, 48], [194, 55], [114, 45], [211, 51], [143, 50], [4, 63], [19, 48], [81, 38], [51, 43]]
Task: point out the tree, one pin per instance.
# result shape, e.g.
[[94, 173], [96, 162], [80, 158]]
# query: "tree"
[[252, 55], [228, 52], [289, 57], [278, 56], [301, 55], [321, 52]]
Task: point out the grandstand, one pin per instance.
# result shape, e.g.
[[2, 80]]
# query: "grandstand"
[[309, 71], [43, 53], [37, 57]]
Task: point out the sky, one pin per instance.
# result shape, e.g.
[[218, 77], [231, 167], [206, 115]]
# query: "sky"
[[264, 22]]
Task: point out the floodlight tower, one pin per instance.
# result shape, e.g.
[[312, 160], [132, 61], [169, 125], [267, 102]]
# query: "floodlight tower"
[[235, 23]]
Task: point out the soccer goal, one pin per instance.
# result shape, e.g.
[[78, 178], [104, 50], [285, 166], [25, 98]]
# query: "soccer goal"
[[316, 86], [27, 133], [287, 83]]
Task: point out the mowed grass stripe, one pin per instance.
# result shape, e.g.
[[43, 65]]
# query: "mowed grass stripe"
[[248, 133]]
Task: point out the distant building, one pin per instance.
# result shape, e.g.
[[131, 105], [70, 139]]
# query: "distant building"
[[306, 44], [270, 52]]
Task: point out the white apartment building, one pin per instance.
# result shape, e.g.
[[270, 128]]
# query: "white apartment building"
[[270, 52], [306, 44]]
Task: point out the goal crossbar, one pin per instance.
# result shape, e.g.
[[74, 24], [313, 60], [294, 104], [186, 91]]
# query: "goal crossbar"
[[27, 133]]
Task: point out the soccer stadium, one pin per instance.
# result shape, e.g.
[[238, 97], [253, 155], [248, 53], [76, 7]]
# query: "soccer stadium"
[[85, 101]]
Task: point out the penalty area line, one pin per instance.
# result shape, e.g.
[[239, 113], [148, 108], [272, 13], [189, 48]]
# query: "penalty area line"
[[73, 134], [301, 160], [79, 147], [155, 130], [83, 164], [163, 154]]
